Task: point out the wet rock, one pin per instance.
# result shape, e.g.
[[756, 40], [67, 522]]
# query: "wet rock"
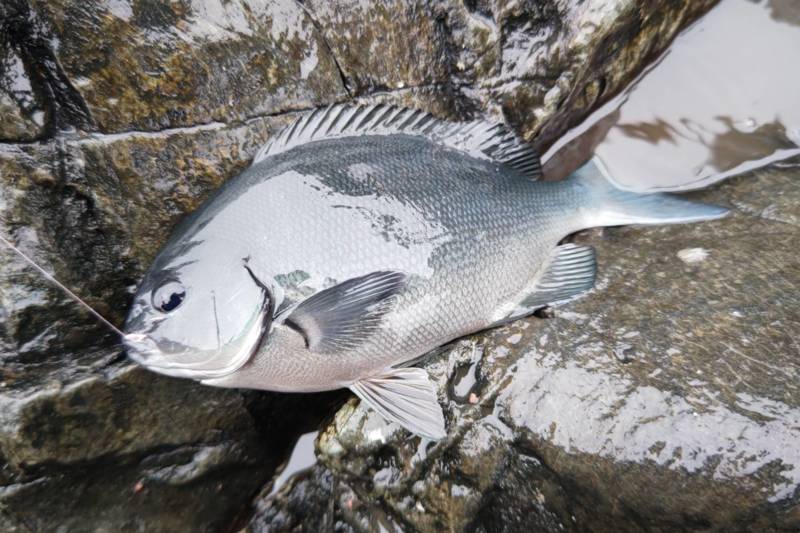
[[667, 398], [75, 416], [158, 455], [119, 118], [131, 450], [541, 66], [145, 65]]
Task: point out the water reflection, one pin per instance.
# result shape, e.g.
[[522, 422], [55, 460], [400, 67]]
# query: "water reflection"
[[302, 458], [719, 103]]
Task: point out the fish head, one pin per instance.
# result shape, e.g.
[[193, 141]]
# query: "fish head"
[[201, 311]]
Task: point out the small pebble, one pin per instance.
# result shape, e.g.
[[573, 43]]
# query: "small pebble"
[[692, 255]]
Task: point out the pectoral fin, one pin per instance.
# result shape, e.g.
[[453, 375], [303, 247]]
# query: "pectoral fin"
[[406, 396], [343, 316]]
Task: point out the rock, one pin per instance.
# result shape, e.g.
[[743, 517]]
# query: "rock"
[[103, 444], [540, 66], [134, 452], [87, 441], [668, 398], [151, 66], [119, 117]]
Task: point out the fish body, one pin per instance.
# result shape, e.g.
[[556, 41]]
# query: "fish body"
[[362, 238]]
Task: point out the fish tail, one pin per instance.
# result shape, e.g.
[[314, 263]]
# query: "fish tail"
[[610, 206]]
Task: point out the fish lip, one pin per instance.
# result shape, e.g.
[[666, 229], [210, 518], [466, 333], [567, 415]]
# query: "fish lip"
[[155, 362], [141, 349], [178, 372]]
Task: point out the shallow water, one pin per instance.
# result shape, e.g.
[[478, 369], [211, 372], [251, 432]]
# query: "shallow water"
[[723, 100]]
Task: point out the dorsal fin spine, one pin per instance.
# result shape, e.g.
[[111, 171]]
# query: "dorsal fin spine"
[[352, 118], [396, 112], [305, 124], [317, 124], [290, 132], [341, 121], [415, 118], [385, 111], [368, 118], [480, 139], [325, 115]]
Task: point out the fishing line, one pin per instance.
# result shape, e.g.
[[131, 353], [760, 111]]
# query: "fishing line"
[[71, 294]]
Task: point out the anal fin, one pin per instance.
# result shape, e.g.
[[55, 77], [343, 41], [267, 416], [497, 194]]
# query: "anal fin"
[[406, 396], [572, 270]]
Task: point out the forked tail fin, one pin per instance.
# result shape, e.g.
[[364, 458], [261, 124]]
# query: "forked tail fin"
[[609, 206]]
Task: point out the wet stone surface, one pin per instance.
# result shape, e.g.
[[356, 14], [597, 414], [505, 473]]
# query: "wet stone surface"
[[540, 66], [120, 117], [144, 65], [667, 398]]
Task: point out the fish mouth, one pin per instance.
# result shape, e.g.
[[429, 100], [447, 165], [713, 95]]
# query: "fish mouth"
[[208, 365]]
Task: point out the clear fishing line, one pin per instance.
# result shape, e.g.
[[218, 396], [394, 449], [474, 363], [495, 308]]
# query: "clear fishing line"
[[64, 288]]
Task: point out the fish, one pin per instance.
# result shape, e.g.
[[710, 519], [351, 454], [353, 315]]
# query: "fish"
[[363, 237]]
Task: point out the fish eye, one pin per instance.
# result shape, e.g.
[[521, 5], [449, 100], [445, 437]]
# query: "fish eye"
[[169, 296]]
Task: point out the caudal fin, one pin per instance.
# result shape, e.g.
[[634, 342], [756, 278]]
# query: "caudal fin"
[[610, 206]]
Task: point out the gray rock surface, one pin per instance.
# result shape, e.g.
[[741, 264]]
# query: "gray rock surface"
[[540, 66], [668, 398], [118, 117]]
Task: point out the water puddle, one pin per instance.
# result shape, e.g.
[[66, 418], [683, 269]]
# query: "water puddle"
[[465, 381], [302, 458], [724, 99]]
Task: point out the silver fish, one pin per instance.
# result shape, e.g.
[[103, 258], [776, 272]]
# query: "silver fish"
[[363, 237]]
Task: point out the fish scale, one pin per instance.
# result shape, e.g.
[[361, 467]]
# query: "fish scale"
[[418, 173], [361, 238], [411, 172]]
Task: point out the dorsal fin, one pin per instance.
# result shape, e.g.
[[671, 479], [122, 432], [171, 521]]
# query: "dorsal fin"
[[479, 138]]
